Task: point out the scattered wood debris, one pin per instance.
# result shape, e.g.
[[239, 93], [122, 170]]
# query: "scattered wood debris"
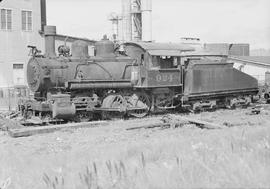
[[173, 121], [7, 124], [158, 123], [28, 131], [180, 120]]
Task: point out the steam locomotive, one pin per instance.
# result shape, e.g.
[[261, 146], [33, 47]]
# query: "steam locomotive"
[[132, 79]]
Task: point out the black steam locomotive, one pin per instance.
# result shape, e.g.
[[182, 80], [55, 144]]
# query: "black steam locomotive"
[[133, 79]]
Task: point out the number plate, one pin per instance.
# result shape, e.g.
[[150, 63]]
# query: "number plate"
[[164, 78]]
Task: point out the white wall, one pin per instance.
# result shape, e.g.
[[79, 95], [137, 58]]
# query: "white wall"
[[258, 73], [13, 44]]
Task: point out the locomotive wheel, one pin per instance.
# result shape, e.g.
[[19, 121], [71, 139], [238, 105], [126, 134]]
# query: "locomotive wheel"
[[111, 102], [139, 100]]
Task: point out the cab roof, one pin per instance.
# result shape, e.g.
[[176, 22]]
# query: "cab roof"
[[166, 49]]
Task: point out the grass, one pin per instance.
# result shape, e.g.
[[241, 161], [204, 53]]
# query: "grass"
[[236, 162]]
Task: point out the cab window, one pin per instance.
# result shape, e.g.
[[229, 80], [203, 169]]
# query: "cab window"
[[165, 62]]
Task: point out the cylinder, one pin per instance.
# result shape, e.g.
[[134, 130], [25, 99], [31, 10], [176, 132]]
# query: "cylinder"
[[62, 108], [49, 34], [146, 8]]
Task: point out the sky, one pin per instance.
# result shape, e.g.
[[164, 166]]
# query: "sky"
[[230, 21]]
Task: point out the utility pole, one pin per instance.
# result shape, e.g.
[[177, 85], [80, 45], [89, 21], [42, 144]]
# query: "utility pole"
[[114, 18]]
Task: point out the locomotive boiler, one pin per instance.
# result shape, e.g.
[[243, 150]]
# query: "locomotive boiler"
[[132, 79]]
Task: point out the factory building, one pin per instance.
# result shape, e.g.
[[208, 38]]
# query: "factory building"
[[231, 49], [239, 53], [21, 24]]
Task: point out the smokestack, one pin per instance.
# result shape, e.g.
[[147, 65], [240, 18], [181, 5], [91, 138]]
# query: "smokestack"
[[43, 14], [49, 34], [146, 8]]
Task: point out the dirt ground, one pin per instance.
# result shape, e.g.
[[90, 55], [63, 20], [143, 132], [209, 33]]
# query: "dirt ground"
[[112, 157]]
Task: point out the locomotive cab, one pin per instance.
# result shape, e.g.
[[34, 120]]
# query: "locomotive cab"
[[159, 64]]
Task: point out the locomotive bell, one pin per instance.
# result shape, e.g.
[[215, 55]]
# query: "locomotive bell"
[[105, 48]]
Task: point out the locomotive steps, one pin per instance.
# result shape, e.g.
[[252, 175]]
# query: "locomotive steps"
[[167, 121]]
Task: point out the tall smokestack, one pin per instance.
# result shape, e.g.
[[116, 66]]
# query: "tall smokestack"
[[146, 8], [43, 14], [49, 34]]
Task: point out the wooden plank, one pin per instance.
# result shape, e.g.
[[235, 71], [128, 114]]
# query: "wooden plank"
[[205, 124], [29, 131], [200, 123], [176, 121], [149, 126]]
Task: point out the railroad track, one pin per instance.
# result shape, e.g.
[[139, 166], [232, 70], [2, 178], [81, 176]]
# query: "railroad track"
[[170, 120]]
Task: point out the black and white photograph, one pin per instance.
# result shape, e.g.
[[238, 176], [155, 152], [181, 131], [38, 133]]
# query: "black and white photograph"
[[134, 94]]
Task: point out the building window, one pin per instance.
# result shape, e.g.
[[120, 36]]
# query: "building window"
[[18, 74], [6, 19], [17, 66], [27, 20]]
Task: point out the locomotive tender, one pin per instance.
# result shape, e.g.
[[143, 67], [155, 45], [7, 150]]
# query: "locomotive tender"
[[132, 79]]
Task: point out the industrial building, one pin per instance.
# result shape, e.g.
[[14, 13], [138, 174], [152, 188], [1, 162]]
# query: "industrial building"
[[239, 53], [21, 25]]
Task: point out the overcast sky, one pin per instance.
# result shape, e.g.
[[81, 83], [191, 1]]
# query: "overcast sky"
[[232, 21]]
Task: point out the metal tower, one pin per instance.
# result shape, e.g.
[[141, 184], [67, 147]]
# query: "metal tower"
[[114, 18], [136, 20]]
